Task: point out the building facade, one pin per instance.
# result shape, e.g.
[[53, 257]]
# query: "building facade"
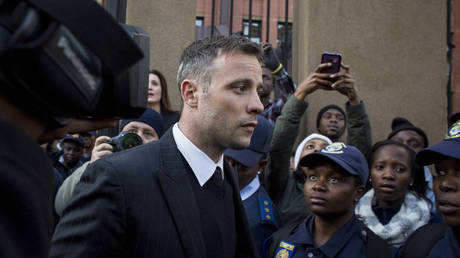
[[268, 18]]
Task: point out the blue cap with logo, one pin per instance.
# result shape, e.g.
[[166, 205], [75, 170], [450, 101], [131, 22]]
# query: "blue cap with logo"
[[346, 156], [73, 138], [260, 144], [449, 147]]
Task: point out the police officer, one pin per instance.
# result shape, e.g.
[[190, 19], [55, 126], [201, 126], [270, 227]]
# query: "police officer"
[[263, 216], [442, 239], [335, 179]]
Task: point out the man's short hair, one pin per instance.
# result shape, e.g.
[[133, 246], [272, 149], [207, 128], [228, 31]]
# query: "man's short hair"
[[196, 58]]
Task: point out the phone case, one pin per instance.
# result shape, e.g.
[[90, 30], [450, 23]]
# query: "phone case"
[[335, 59]]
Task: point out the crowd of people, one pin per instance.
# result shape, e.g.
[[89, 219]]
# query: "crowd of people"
[[224, 178], [321, 198]]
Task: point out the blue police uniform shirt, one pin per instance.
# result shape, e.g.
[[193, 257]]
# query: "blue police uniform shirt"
[[349, 241], [263, 217], [448, 246]]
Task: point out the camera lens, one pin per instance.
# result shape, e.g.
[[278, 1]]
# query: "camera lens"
[[131, 140]]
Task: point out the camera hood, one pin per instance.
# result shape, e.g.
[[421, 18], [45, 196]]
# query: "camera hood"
[[70, 59]]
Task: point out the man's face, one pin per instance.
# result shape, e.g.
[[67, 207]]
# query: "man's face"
[[329, 191], [266, 88], [145, 131], [391, 175], [228, 108], [332, 124], [446, 187], [410, 138], [72, 153]]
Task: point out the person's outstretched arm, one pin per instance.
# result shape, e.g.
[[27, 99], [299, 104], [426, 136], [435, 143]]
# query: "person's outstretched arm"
[[286, 129], [358, 125]]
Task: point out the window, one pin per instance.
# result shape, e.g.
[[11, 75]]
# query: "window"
[[280, 37], [199, 21], [256, 30]]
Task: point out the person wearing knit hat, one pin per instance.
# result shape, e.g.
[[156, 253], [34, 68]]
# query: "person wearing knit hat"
[[405, 132], [331, 122], [441, 239], [149, 127], [312, 143]]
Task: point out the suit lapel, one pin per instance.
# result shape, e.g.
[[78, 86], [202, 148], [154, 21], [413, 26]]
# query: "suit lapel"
[[180, 198]]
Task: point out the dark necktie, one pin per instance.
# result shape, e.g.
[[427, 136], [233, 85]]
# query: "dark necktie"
[[216, 178]]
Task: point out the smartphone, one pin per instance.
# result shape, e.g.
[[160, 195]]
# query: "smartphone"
[[335, 59]]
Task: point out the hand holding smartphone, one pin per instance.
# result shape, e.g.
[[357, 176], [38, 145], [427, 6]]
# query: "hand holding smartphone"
[[335, 59]]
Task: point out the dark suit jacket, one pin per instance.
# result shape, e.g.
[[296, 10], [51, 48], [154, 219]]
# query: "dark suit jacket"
[[140, 203]]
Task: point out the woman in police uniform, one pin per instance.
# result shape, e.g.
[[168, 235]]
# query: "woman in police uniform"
[[334, 183]]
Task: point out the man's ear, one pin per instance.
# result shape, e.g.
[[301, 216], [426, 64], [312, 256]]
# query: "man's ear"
[[188, 91]]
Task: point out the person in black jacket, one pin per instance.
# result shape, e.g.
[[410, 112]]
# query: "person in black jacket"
[[175, 197]]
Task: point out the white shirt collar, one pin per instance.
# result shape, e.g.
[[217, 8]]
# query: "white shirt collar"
[[250, 189], [202, 165]]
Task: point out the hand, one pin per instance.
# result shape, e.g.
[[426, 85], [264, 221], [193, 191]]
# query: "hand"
[[101, 148], [271, 60], [315, 80], [345, 84], [77, 126]]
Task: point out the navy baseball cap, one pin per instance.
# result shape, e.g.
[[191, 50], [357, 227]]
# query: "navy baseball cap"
[[346, 156], [73, 138], [449, 147], [260, 144]]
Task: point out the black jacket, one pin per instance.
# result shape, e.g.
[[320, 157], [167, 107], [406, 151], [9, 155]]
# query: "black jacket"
[[140, 203]]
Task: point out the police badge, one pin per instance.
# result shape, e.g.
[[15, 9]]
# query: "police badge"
[[335, 148]]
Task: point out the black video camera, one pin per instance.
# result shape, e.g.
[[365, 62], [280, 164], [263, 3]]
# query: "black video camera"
[[71, 59], [124, 140]]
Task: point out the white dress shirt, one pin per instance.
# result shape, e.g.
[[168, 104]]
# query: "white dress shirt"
[[202, 165], [250, 189]]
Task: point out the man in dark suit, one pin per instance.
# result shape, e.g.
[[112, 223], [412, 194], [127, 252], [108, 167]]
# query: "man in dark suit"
[[175, 197]]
